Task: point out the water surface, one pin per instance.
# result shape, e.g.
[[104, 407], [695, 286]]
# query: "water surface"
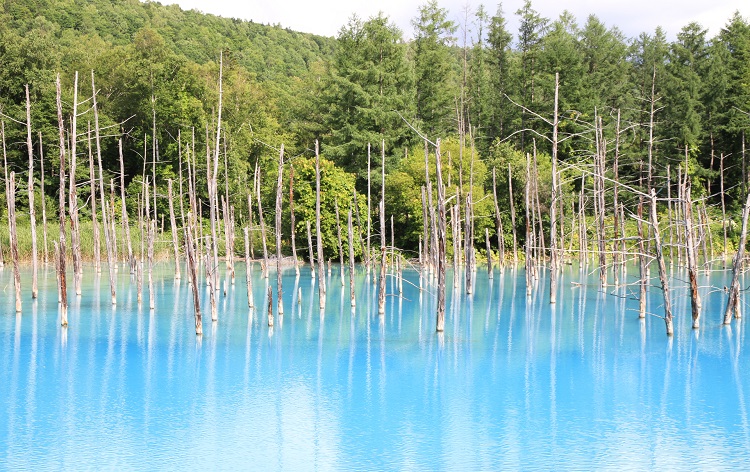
[[513, 383]]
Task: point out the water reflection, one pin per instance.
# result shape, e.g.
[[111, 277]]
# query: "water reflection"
[[348, 389]]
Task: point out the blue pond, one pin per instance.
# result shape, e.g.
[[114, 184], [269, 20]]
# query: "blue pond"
[[513, 383]]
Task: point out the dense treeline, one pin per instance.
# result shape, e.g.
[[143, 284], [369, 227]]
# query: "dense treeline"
[[665, 107]]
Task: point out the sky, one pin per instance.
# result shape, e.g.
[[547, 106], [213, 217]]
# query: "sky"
[[326, 17]]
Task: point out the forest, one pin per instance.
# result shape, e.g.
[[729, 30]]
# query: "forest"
[[629, 115]]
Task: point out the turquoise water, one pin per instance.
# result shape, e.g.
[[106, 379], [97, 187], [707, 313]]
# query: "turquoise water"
[[514, 383]]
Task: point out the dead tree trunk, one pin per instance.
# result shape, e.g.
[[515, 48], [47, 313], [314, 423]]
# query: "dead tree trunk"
[[553, 254], [341, 244], [93, 200], [62, 249], [733, 303], [248, 271], [32, 207], [489, 253], [279, 302], [318, 233], [262, 225], [125, 222], [723, 210], [292, 222], [108, 237], [44, 203], [440, 323], [498, 223], [75, 237], [193, 274], [269, 306], [381, 283], [695, 298], [512, 216], [173, 225], [13, 234], [351, 258], [310, 250], [662, 267]]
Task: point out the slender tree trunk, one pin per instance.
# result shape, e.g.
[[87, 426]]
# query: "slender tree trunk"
[[193, 274], [13, 234], [125, 222], [341, 245], [351, 258], [61, 277], [381, 283], [489, 253], [269, 306], [32, 207], [292, 223], [279, 180], [553, 254], [173, 225], [262, 225], [310, 250], [93, 200], [512, 217], [108, 237], [498, 222], [44, 203], [440, 324], [318, 234], [369, 209], [733, 303], [423, 257], [662, 267], [248, 271], [723, 210], [695, 298], [75, 238]]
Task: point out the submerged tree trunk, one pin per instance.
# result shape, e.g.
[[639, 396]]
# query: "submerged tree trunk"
[[321, 260], [107, 233], [733, 303], [32, 207], [173, 226], [351, 258], [62, 248], [310, 250], [44, 203], [13, 234], [75, 237], [193, 274], [248, 271], [662, 267], [695, 298], [440, 324], [279, 302]]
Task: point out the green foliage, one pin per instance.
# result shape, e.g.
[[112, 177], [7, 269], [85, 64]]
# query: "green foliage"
[[335, 186], [434, 69], [367, 90]]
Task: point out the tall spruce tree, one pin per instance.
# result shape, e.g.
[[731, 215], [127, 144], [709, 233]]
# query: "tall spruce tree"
[[368, 85], [434, 67], [499, 111]]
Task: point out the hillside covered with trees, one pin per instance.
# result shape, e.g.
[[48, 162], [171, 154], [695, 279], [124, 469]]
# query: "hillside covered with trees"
[[662, 107]]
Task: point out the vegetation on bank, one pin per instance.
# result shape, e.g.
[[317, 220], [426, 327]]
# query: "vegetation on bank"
[[487, 92]]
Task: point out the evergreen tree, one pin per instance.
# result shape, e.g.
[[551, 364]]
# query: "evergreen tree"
[[369, 84], [530, 34], [684, 98], [434, 64], [499, 110]]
